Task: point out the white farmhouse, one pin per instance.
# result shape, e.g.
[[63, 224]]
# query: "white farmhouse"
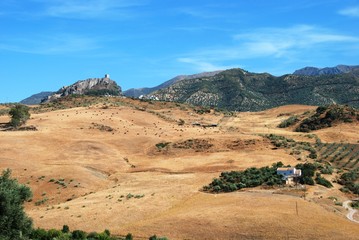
[[289, 174]]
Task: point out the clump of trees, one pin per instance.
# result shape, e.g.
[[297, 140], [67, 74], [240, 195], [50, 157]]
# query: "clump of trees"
[[251, 177], [19, 115], [325, 117], [349, 180]]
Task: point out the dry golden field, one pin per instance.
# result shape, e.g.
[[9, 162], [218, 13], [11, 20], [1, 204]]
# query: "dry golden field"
[[81, 173]]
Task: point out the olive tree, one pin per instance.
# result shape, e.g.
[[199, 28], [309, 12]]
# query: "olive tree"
[[14, 224], [19, 115]]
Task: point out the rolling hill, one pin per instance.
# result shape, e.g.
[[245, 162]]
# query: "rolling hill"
[[138, 166]]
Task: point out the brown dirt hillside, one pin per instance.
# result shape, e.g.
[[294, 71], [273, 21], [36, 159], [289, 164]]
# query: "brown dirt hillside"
[[96, 168]]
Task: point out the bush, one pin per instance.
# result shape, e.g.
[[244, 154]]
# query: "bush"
[[324, 182], [289, 122], [65, 229], [78, 234], [13, 220], [19, 115]]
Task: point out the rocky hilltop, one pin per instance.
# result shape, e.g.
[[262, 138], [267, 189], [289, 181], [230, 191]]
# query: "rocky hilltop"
[[91, 86], [240, 90], [137, 92], [313, 71]]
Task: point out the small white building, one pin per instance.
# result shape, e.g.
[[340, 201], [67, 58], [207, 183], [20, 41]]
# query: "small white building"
[[107, 75], [289, 174]]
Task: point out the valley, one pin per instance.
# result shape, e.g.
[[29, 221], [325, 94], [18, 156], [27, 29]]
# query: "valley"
[[139, 167]]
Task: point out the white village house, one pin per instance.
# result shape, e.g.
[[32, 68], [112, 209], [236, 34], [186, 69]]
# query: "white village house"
[[289, 174]]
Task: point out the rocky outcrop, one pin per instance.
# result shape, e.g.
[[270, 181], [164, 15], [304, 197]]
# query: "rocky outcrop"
[[91, 86]]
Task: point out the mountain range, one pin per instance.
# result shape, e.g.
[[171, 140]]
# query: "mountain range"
[[240, 90], [313, 71]]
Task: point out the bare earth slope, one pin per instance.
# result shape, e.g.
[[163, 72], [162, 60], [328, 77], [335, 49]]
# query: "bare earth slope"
[[96, 168]]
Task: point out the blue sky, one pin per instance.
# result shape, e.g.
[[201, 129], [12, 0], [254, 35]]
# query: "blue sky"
[[47, 44]]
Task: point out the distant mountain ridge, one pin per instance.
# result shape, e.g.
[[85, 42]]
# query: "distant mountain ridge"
[[91, 86], [36, 98], [137, 92], [240, 90], [313, 71]]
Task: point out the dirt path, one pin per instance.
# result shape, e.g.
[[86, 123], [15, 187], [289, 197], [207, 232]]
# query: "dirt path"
[[351, 211]]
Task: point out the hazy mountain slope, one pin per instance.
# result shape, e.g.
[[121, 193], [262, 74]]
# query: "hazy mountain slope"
[[313, 71], [136, 92], [36, 98], [237, 89]]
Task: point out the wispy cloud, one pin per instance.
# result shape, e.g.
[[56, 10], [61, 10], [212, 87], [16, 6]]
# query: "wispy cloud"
[[286, 44], [350, 11], [202, 65], [50, 45], [87, 9]]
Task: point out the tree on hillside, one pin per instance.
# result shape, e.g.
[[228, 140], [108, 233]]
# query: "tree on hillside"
[[14, 224], [19, 115]]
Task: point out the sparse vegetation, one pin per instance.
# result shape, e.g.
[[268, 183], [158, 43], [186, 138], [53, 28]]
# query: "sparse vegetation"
[[289, 122]]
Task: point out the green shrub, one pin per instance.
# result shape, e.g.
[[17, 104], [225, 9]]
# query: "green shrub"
[[355, 204], [78, 234], [65, 229], [13, 220], [129, 237], [19, 115], [324, 182], [289, 122]]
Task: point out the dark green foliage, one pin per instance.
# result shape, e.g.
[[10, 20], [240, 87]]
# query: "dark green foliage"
[[39, 234], [349, 180], [19, 115], [79, 234], [103, 92], [65, 229], [326, 117], [129, 237], [355, 204], [13, 221], [289, 122], [162, 145], [154, 237], [324, 182], [251, 177], [308, 171], [280, 141], [327, 169]]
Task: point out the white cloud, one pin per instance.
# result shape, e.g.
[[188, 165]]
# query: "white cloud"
[[47, 45], [204, 66], [285, 44], [351, 11]]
